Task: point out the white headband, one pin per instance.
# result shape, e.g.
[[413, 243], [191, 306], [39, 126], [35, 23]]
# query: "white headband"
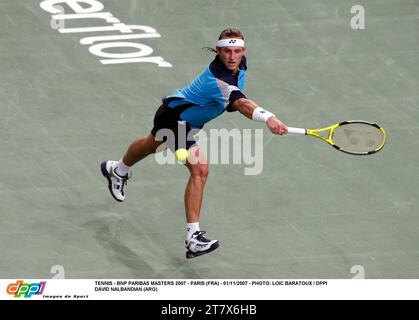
[[230, 43]]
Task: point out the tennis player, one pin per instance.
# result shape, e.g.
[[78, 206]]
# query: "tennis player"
[[217, 89]]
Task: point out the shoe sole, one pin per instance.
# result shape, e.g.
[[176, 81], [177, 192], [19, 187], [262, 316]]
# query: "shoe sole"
[[190, 255], [106, 175]]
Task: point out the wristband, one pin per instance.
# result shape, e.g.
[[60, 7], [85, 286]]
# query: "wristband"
[[261, 115]]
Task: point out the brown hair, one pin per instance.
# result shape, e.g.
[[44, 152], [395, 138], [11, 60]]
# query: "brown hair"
[[225, 34], [231, 32]]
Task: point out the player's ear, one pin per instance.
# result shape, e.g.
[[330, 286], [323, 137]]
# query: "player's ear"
[[218, 50]]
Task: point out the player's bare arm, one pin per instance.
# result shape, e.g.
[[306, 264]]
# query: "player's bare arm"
[[248, 108]]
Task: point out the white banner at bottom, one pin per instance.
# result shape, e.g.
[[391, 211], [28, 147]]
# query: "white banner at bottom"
[[215, 289]]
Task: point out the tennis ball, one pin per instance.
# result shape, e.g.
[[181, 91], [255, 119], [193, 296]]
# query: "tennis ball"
[[181, 154]]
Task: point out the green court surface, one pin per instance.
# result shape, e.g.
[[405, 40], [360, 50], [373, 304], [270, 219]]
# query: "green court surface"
[[313, 212]]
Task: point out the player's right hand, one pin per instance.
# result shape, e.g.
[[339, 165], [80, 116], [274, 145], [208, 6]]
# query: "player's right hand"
[[276, 126]]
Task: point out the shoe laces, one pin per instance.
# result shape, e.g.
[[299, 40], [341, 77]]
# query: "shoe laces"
[[123, 178], [127, 177], [200, 236]]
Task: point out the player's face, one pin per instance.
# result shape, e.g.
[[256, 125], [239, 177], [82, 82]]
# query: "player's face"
[[231, 56]]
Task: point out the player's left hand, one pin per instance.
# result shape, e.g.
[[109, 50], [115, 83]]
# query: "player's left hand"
[[276, 126]]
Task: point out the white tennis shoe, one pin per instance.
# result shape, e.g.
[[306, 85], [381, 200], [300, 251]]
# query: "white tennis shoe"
[[116, 182], [198, 245]]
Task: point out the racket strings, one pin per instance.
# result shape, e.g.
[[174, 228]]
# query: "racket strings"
[[358, 137]]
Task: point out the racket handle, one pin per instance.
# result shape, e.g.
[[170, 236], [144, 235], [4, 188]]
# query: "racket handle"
[[296, 130]]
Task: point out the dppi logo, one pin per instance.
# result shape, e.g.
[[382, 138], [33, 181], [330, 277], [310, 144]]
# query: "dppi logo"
[[27, 290]]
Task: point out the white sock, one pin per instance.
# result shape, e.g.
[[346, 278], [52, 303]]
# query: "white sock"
[[191, 228], [121, 168]]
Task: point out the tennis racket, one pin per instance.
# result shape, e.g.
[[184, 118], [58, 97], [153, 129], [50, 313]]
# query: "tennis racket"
[[354, 137]]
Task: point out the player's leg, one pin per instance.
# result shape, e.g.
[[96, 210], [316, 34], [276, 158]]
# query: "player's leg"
[[117, 172], [196, 243], [198, 169], [140, 149]]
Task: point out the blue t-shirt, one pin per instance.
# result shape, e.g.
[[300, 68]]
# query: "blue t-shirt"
[[209, 94]]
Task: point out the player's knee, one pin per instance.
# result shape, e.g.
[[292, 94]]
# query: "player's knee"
[[153, 144], [156, 147], [203, 171], [200, 171]]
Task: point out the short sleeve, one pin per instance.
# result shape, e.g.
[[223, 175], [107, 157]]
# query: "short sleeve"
[[229, 94]]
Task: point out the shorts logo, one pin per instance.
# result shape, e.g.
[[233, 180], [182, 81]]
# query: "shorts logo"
[[27, 290]]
